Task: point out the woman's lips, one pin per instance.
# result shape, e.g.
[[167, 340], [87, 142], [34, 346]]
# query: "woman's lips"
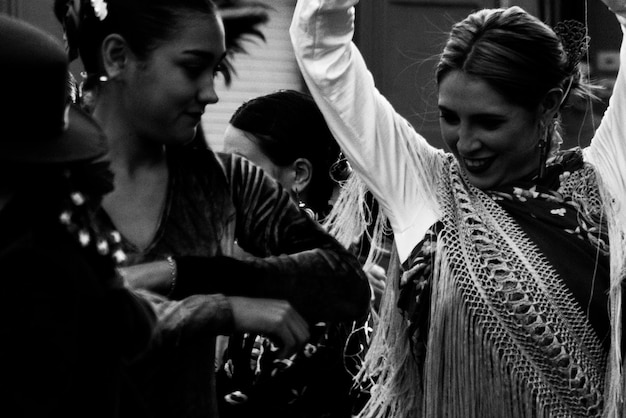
[[195, 116], [477, 165]]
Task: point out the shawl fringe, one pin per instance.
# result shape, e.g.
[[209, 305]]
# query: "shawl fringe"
[[615, 385], [389, 367]]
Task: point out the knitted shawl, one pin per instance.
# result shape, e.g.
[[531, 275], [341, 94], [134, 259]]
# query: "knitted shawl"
[[505, 336]]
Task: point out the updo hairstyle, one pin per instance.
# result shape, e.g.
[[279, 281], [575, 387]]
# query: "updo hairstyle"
[[144, 24], [518, 55], [288, 125]]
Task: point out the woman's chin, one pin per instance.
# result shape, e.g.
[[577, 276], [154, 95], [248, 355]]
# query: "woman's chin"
[[481, 181]]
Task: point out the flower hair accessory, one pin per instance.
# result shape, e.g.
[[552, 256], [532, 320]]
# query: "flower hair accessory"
[[573, 36], [100, 9]]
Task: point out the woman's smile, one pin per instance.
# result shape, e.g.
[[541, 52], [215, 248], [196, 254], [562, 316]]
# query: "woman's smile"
[[494, 140], [477, 165]]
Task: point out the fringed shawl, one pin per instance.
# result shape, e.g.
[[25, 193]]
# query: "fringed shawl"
[[505, 337]]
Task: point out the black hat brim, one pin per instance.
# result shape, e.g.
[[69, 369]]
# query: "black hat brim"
[[83, 140]]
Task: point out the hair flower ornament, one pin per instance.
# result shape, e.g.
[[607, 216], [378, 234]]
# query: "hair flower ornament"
[[575, 41], [100, 9]]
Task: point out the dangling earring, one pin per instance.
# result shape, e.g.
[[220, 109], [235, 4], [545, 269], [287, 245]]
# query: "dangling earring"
[[303, 207], [86, 77], [340, 170], [543, 148]]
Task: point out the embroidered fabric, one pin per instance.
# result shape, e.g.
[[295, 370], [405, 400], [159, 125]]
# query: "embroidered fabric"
[[573, 35]]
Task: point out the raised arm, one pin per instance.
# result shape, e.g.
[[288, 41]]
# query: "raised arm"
[[607, 153], [608, 147], [396, 163]]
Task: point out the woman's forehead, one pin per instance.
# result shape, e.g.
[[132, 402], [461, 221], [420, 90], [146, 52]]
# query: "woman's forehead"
[[201, 32], [460, 91]]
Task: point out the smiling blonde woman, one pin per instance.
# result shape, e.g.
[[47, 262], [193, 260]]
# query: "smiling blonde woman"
[[508, 302]]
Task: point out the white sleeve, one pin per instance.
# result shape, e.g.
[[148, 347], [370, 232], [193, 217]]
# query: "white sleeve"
[[607, 151], [397, 164]]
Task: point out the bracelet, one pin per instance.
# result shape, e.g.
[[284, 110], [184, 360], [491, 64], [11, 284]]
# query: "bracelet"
[[173, 274]]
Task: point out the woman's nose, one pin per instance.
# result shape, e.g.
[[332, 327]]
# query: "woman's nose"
[[468, 141], [206, 93]]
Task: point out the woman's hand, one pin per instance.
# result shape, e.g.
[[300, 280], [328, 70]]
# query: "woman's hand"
[[276, 319], [616, 6], [376, 276]]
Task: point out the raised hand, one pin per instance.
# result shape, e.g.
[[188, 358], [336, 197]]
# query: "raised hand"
[[376, 276], [616, 6]]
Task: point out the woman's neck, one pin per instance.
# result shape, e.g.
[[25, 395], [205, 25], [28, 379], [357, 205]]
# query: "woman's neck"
[[128, 151]]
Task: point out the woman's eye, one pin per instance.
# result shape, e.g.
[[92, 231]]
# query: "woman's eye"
[[491, 125], [220, 69], [449, 118], [194, 70]]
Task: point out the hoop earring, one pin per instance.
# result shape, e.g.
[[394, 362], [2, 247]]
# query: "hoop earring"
[[303, 207], [340, 170]]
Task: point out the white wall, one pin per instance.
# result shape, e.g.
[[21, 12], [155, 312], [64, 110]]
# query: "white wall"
[[267, 67]]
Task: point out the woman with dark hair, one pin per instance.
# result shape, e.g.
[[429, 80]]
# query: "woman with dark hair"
[[71, 325], [286, 135], [180, 209], [508, 299]]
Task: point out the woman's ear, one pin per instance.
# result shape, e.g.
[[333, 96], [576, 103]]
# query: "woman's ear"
[[551, 103], [114, 55], [303, 174]]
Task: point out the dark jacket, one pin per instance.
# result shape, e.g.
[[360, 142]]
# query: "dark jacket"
[[70, 326]]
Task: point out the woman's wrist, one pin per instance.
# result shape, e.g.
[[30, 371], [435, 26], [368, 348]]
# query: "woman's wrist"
[[160, 276]]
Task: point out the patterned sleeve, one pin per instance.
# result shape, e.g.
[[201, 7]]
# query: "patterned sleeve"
[[294, 258], [299, 260]]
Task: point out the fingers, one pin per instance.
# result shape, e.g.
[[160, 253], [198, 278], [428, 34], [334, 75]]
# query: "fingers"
[[298, 327], [376, 276], [290, 330], [297, 331], [376, 271], [274, 318]]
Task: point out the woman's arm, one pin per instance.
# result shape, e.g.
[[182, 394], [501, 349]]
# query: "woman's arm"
[[396, 163], [296, 259], [69, 328], [608, 147], [607, 153]]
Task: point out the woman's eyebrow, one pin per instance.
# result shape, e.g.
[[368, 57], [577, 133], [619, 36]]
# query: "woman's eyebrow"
[[204, 54]]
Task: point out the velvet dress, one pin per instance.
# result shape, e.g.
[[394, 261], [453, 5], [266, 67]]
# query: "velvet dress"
[[213, 200]]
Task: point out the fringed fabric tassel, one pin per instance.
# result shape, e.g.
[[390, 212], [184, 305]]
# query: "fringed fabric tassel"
[[350, 218], [464, 374], [616, 383], [389, 363]]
